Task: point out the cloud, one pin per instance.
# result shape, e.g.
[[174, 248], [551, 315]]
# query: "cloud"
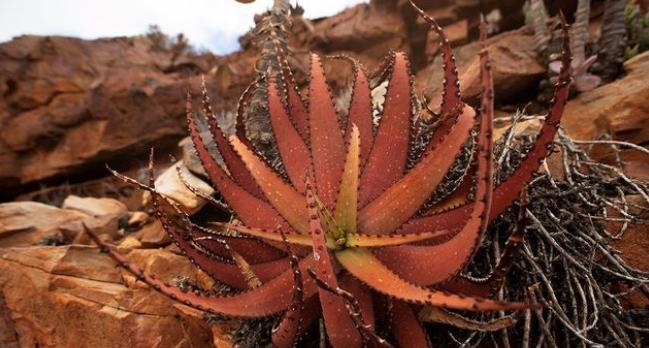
[[210, 24]]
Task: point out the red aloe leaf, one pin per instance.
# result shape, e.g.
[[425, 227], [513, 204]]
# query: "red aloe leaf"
[[297, 111], [360, 240], [242, 105], [340, 327], [256, 251], [402, 200], [327, 145], [489, 286], [346, 207], [235, 166], [362, 294], [370, 338], [449, 220], [272, 297], [451, 97], [360, 111], [387, 159], [243, 265], [299, 239], [365, 266], [284, 198], [458, 198], [406, 328], [507, 191], [250, 209], [290, 326], [440, 262], [292, 149], [214, 267], [294, 324]]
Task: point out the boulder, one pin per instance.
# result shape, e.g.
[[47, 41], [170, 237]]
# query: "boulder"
[[73, 296], [514, 62], [617, 111], [152, 235], [31, 223], [95, 206], [619, 108], [367, 31], [68, 105], [109, 187], [170, 184], [28, 223], [632, 246]]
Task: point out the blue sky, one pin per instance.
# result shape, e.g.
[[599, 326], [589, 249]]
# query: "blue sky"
[[209, 24]]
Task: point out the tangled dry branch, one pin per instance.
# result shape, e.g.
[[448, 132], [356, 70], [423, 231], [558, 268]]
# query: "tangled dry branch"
[[567, 262]]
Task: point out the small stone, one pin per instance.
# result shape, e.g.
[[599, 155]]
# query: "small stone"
[[170, 185], [95, 206], [153, 235], [138, 219], [130, 242]]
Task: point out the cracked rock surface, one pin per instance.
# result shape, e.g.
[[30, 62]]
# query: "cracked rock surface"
[[73, 296]]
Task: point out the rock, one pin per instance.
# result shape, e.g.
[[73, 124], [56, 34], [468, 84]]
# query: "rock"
[[526, 127], [190, 158], [169, 184], [130, 242], [106, 226], [152, 235], [109, 186], [68, 105], [457, 34], [137, 219], [28, 223], [31, 223], [619, 108], [514, 64], [369, 31], [632, 245], [95, 206], [74, 296]]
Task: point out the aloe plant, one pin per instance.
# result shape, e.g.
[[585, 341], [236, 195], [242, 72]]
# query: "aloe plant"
[[343, 232]]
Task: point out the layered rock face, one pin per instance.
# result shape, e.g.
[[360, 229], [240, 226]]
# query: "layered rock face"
[[68, 105], [58, 290], [74, 297]]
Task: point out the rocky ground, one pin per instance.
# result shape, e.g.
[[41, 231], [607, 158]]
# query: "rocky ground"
[[70, 106]]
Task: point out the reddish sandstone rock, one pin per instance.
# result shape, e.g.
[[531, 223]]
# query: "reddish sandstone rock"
[[619, 108], [70, 105], [514, 62], [152, 235], [94, 206], [75, 297], [32, 223], [28, 223], [632, 245], [368, 31]]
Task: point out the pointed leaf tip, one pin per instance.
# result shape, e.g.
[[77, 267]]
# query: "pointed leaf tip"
[[387, 160], [327, 144], [346, 206]]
